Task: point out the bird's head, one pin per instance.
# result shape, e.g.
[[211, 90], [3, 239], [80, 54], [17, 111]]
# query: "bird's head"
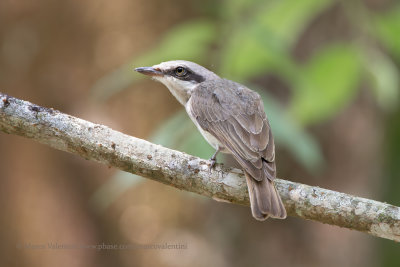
[[180, 76]]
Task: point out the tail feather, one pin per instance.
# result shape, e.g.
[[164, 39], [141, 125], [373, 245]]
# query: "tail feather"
[[264, 199], [255, 209], [262, 192]]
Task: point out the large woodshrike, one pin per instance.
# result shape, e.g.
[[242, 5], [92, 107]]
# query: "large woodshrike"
[[231, 118]]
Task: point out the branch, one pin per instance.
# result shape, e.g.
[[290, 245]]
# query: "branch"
[[102, 144]]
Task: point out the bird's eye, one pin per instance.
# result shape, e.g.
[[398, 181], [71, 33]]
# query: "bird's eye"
[[180, 71]]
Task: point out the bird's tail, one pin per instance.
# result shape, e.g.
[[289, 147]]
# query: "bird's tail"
[[264, 199]]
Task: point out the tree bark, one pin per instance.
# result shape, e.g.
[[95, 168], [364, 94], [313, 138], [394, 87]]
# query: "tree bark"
[[99, 143]]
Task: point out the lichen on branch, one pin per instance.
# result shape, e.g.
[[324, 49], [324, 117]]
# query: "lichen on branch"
[[99, 143]]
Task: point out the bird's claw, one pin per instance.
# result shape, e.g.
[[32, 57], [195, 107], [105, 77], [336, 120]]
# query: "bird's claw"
[[212, 163], [213, 159]]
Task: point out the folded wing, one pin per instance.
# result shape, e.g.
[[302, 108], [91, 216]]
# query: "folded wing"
[[236, 117]]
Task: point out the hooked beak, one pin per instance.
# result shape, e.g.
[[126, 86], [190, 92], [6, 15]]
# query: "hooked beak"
[[150, 71]]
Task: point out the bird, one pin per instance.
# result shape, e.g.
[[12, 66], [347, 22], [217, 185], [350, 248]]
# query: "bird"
[[232, 119]]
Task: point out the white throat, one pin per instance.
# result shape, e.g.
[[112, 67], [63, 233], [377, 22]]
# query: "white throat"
[[180, 89]]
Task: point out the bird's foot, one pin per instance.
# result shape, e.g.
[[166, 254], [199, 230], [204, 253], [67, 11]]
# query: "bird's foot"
[[213, 159]]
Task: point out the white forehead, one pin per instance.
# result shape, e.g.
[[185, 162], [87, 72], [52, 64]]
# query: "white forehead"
[[176, 63], [200, 70], [182, 63]]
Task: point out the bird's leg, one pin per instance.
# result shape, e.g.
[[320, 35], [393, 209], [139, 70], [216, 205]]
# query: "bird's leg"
[[213, 159]]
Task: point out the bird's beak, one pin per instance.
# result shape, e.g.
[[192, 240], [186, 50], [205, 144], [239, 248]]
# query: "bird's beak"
[[150, 71]]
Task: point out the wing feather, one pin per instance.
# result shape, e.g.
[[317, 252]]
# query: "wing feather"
[[235, 116]]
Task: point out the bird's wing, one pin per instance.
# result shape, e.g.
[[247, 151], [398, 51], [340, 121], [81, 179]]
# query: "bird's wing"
[[235, 116]]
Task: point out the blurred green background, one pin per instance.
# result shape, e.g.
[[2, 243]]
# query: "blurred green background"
[[328, 72]]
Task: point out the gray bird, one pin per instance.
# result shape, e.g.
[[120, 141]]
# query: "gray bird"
[[231, 118]]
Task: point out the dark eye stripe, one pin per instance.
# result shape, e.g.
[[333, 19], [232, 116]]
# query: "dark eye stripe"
[[196, 78], [190, 76]]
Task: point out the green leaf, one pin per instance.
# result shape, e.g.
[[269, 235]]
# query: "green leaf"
[[263, 43], [328, 82], [180, 133], [169, 132], [291, 135], [190, 41], [244, 56], [239, 9], [108, 192], [387, 29], [384, 77], [286, 19]]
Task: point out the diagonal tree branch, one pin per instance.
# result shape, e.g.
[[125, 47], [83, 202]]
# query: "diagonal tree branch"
[[102, 144]]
